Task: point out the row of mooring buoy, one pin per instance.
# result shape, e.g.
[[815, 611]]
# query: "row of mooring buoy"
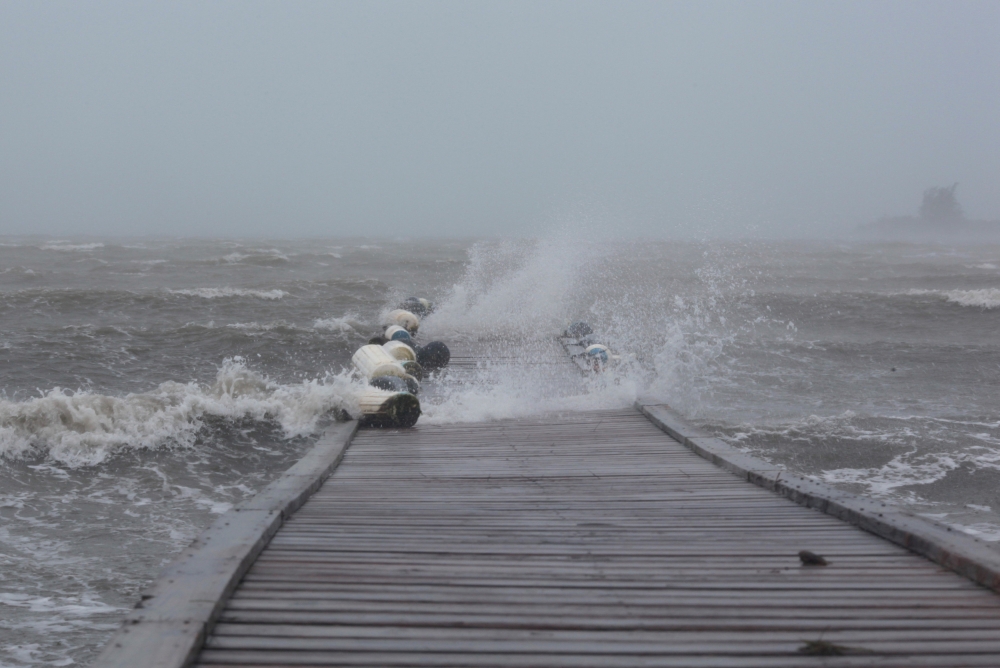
[[393, 364], [596, 355]]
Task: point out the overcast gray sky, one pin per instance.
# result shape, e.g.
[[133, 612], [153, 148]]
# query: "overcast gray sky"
[[476, 118]]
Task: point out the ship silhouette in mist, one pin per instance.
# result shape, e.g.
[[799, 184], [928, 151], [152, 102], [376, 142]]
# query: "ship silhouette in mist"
[[940, 219]]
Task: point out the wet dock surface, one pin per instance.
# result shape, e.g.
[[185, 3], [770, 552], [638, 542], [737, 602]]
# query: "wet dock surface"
[[582, 539]]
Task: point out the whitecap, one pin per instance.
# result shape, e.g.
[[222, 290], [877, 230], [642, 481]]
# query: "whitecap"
[[217, 293], [987, 298], [902, 471], [983, 298], [80, 606], [347, 323], [987, 531], [67, 247], [260, 327], [82, 428]]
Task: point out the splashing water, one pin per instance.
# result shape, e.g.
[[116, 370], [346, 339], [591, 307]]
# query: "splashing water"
[[203, 369], [519, 295], [81, 428]]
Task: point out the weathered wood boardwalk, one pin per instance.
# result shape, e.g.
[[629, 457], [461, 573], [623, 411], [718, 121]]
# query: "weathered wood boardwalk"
[[589, 539], [608, 538]]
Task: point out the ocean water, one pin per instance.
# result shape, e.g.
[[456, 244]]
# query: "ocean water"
[[148, 385]]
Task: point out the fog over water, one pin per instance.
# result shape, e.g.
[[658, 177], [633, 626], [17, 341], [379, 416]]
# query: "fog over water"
[[471, 119], [206, 208]]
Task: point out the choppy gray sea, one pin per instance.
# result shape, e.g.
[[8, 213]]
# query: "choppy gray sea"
[[148, 385]]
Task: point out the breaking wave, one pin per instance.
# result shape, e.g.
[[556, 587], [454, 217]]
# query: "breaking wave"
[[880, 456], [217, 293], [517, 296], [82, 428], [346, 324], [67, 247], [914, 468], [269, 257], [985, 298]]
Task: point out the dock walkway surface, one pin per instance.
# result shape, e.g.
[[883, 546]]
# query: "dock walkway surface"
[[581, 539]]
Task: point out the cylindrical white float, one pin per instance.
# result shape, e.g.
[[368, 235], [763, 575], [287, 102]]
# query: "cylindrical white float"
[[388, 409], [400, 351], [404, 319], [598, 355], [373, 361], [397, 333]]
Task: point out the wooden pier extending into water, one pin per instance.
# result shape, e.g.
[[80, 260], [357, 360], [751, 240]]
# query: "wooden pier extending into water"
[[599, 539]]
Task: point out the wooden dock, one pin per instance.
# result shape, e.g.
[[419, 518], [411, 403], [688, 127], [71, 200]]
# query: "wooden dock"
[[584, 539]]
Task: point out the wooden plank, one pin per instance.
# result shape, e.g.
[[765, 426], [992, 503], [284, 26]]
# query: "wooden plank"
[[791, 620], [394, 593], [742, 645], [610, 554], [233, 631], [792, 658], [584, 579], [573, 610], [869, 598]]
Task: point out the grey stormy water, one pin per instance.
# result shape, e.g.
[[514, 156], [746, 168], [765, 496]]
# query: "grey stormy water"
[[150, 384]]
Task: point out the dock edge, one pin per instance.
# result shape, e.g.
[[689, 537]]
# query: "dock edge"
[[177, 611], [950, 548]]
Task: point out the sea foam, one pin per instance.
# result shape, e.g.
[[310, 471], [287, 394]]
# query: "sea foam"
[[345, 324], [83, 428], [987, 298], [218, 293], [983, 298], [516, 297], [67, 247]]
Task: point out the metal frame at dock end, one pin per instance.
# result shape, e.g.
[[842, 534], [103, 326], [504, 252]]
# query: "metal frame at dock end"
[[177, 611], [952, 549]]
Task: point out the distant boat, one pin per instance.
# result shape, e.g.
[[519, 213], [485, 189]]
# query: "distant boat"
[[940, 219]]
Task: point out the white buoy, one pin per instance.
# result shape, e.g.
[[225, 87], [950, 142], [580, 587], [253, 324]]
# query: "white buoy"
[[380, 408], [599, 356], [400, 351], [373, 361], [397, 333], [404, 319]]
